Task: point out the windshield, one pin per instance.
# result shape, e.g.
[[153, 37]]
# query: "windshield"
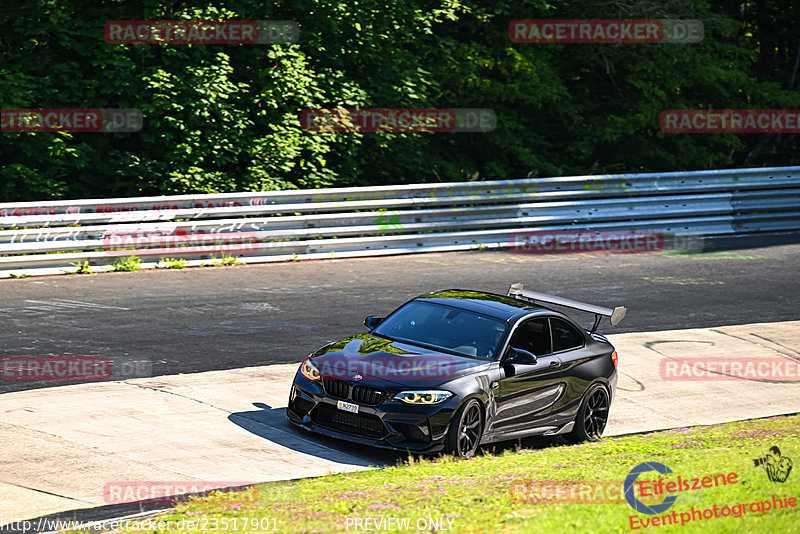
[[444, 328]]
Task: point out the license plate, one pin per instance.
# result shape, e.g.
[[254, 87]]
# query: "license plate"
[[347, 406]]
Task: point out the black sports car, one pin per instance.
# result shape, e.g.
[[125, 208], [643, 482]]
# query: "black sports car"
[[456, 369]]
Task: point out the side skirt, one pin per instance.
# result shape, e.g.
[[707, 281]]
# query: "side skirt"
[[538, 431]]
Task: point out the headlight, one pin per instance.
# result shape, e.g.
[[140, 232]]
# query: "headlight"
[[423, 397], [309, 370]]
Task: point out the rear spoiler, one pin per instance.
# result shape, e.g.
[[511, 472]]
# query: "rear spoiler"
[[616, 315]]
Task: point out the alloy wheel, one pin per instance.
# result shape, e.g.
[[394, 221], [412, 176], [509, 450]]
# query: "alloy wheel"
[[596, 414], [469, 430]]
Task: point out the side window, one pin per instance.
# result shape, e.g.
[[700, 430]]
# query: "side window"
[[565, 336], [534, 336]]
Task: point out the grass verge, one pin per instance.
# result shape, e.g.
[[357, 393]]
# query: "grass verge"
[[532, 488]]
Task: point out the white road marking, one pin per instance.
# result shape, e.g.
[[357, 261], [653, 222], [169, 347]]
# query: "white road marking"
[[56, 305]]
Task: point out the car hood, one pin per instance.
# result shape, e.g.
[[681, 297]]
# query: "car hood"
[[373, 360]]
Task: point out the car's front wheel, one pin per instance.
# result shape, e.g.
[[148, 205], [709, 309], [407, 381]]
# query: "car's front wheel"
[[592, 415], [466, 430]]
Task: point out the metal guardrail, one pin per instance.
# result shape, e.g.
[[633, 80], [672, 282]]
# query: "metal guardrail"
[[48, 237]]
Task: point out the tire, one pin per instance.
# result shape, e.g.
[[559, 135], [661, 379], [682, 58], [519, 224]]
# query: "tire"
[[466, 430], [592, 415]]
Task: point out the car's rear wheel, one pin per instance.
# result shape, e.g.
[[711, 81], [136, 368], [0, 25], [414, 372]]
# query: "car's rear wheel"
[[592, 415], [466, 430]]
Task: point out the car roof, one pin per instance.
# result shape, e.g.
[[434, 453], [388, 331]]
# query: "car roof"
[[497, 306]]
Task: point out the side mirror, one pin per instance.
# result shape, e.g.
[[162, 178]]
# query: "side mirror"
[[372, 321], [521, 356]]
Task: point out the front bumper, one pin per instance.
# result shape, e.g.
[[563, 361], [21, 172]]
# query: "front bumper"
[[388, 424]]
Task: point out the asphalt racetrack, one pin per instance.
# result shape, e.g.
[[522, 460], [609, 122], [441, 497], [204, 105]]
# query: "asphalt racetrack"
[[186, 321]]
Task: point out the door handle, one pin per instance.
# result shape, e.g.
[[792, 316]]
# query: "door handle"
[[554, 363]]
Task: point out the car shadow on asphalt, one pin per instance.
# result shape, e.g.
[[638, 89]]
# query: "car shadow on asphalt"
[[271, 424]]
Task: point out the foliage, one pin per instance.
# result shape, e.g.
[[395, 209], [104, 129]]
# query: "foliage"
[[225, 260], [128, 263], [221, 118], [81, 268], [172, 263]]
